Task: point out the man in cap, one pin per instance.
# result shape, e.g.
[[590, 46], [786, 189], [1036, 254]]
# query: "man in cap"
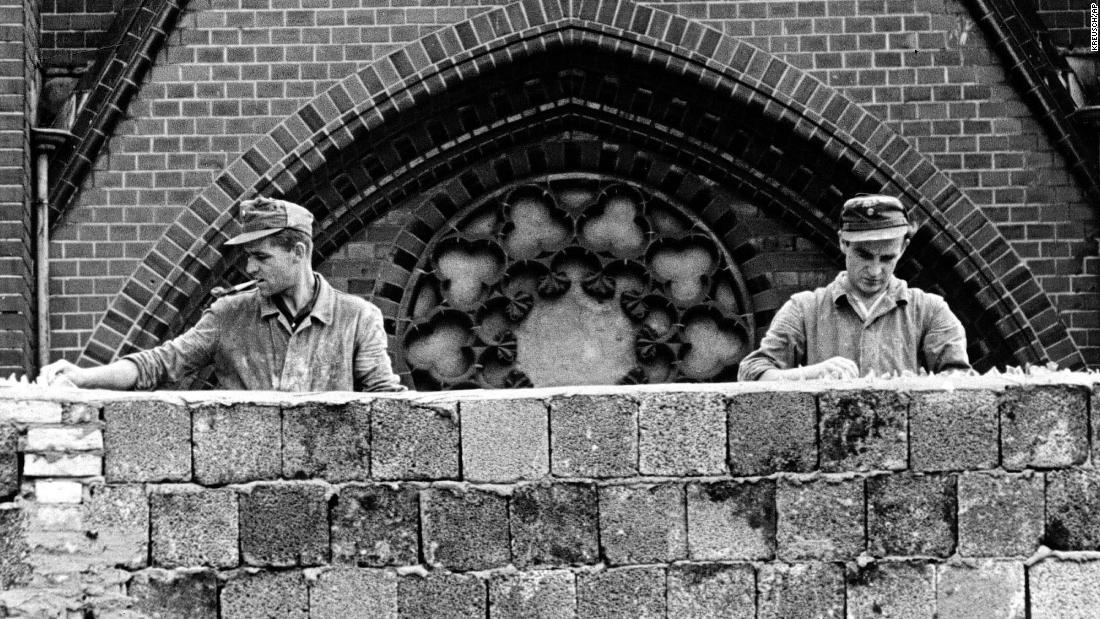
[[291, 331], [866, 320]]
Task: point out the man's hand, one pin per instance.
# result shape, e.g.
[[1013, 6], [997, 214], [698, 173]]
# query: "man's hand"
[[836, 367], [61, 374], [118, 375]]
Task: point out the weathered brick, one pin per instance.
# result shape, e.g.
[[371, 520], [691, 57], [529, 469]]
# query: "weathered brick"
[[543, 594], [1000, 515], [68, 438], [9, 460], [980, 589], [622, 592], [284, 524], [265, 594], [1064, 588], [794, 591], [954, 430], [457, 596], [642, 523], [682, 433], [343, 593], [911, 515], [772, 431], [892, 589], [327, 442], [181, 593], [1043, 426], [1072, 506], [236, 443], [20, 411], [376, 525], [464, 529], [731, 520], [863, 430], [820, 519], [146, 441], [192, 526], [414, 442], [706, 590], [64, 465], [504, 440], [554, 524], [116, 518], [594, 436], [15, 571]]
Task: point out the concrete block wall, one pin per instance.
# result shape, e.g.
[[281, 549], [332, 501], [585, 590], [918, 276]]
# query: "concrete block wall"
[[947, 497]]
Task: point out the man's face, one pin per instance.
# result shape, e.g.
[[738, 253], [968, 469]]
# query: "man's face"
[[871, 263], [274, 268]]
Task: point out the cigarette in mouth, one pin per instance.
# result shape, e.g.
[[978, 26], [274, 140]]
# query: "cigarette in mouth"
[[219, 291]]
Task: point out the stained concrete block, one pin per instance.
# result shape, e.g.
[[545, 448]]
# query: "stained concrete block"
[[711, 590], [554, 525], [465, 529], [626, 592], [237, 443], [542, 594], [863, 431], [179, 594], [1064, 588], [911, 515], [771, 432], [346, 593], [15, 571], [330, 442], [116, 518], [820, 519], [1073, 503], [249, 594], [1000, 515], [146, 441], [1043, 426], [441, 596], [504, 440], [980, 589], [800, 590], [731, 520], [642, 523], [594, 436], [376, 525], [682, 433], [952, 431], [284, 524], [892, 589], [414, 442], [193, 526], [9, 461]]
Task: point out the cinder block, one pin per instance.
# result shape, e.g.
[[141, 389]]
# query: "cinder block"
[[911, 515], [1064, 588], [116, 518], [892, 589], [346, 593], [327, 442], [236, 443], [409, 441], [863, 431], [249, 594], [284, 524], [682, 433], [181, 593], [800, 590], [621, 592], [980, 589], [708, 590], [440, 594], [642, 523], [14, 569], [1073, 503], [594, 436], [731, 520], [820, 519], [772, 431], [554, 524], [542, 594], [464, 529], [1043, 426], [376, 525], [9, 461], [1000, 515], [146, 441], [194, 526], [504, 440], [952, 431]]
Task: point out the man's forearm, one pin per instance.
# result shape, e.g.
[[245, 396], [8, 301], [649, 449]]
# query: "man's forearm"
[[118, 375]]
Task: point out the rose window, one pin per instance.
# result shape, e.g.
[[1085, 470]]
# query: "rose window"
[[574, 282]]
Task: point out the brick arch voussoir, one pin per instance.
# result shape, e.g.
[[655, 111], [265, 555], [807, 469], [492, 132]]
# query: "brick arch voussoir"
[[175, 272]]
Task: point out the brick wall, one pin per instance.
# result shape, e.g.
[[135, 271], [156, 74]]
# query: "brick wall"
[[917, 497]]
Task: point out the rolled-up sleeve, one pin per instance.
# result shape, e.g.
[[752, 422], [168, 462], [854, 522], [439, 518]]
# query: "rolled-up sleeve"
[[944, 346], [373, 370], [178, 357], [784, 345]]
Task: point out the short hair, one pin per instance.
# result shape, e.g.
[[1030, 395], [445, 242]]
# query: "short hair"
[[286, 238]]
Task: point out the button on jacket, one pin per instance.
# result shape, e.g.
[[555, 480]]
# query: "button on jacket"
[[908, 329], [340, 346]]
